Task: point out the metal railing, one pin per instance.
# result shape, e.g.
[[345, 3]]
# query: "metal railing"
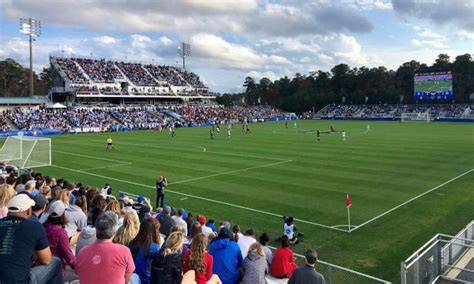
[[442, 257]]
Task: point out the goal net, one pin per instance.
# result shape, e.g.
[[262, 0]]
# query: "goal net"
[[420, 116], [26, 152]]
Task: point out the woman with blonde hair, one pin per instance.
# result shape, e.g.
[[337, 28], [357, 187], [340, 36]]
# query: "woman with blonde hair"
[[45, 191], [6, 193], [129, 229], [254, 265], [167, 265], [63, 195]]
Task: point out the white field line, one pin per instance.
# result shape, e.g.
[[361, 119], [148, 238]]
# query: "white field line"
[[202, 198], [230, 172], [105, 167], [341, 268], [92, 157], [412, 199], [187, 149]]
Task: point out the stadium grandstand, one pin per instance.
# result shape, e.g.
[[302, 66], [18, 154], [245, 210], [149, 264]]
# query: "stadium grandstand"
[[82, 79]]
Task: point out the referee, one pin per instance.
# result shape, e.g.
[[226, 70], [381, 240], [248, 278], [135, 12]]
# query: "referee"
[[110, 144]]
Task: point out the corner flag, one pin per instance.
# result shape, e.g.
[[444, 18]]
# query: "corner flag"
[[348, 202]]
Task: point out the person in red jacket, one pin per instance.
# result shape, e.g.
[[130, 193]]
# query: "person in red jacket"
[[284, 261], [57, 235]]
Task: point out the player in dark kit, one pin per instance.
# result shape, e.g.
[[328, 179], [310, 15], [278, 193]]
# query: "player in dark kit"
[[160, 191], [318, 135], [211, 133]]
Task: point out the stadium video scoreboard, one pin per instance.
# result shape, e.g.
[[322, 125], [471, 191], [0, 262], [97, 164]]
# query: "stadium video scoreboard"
[[433, 86]]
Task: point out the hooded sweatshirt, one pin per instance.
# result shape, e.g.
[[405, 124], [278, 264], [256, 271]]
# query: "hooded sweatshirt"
[[227, 260], [76, 220], [59, 244], [86, 237], [254, 269]]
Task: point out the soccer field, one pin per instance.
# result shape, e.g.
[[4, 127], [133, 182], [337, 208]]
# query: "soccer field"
[[407, 181]]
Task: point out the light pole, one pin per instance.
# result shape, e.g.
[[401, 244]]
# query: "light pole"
[[31, 28], [184, 50]]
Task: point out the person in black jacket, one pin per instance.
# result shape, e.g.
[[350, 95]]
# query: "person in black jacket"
[[167, 264]]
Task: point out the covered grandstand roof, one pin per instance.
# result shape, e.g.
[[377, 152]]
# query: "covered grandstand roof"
[[22, 100]]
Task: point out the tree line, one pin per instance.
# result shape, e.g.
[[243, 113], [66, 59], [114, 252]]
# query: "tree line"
[[15, 80], [347, 85]]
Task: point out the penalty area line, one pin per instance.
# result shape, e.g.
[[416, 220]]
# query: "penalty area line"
[[203, 198], [413, 199]]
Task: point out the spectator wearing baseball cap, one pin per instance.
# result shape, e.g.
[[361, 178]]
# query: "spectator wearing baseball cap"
[[39, 207], [205, 229], [307, 273], [24, 239], [142, 206], [166, 221], [57, 235]]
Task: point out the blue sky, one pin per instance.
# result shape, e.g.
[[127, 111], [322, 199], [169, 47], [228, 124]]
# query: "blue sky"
[[234, 39]]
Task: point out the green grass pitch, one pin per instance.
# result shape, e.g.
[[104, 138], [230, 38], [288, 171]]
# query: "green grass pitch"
[[281, 171]]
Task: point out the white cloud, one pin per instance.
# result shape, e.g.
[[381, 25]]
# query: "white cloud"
[[218, 52], [165, 41], [429, 33], [257, 75], [105, 40], [434, 43]]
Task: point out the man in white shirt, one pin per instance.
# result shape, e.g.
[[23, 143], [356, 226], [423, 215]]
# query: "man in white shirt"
[[246, 241], [178, 219], [205, 229]]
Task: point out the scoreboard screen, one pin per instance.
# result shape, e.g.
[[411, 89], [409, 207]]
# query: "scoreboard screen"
[[433, 86]]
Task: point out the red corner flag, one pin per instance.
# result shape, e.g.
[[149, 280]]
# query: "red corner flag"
[[348, 202]]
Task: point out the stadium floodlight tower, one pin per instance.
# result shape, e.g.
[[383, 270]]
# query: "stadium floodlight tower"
[[31, 28], [184, 50]]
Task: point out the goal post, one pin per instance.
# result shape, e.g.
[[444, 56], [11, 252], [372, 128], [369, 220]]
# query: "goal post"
[[26, 152], [420, 116]]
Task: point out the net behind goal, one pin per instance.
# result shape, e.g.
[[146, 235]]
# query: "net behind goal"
[[422, 116], [26, 152]]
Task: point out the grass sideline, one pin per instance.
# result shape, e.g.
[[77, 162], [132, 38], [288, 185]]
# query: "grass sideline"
[[285, 172]]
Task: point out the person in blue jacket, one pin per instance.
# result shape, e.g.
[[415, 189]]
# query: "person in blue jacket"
[[227, 257]]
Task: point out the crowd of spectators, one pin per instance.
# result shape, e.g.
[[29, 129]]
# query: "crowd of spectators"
[[3, 122], [138, 118], [152, 117], [100, 71], [86, 90], [71, 229], [32, 119], [193, 79], [90, 118], [169, 74], [72, 71], [395, 111], [137, 74]]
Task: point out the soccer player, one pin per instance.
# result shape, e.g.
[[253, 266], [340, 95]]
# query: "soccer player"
[[294, 125], [289, 230], [173, 131], [368, 127], [211, 133], [218, 129], [247, 129], [286, 124], [332, 128], [343, 135], [318, 135], [229, 127], [110, 144]]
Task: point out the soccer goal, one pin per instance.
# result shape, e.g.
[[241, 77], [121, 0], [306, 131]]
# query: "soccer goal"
[[420, 116], [26, 152]]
